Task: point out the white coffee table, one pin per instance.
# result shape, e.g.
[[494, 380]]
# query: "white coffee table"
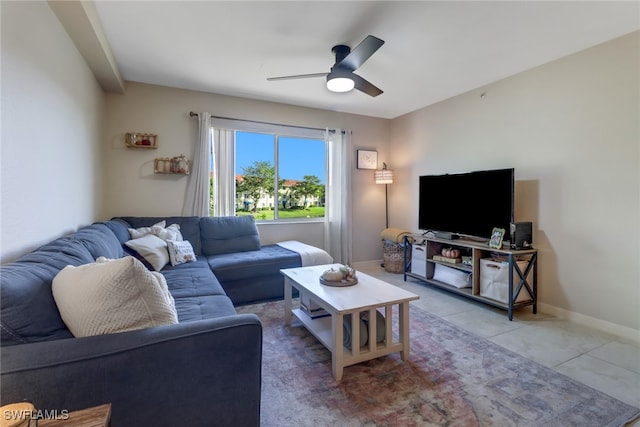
[[368, 294]]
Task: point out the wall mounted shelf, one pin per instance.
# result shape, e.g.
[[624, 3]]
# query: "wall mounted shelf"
[[141, 140], [172, 165]]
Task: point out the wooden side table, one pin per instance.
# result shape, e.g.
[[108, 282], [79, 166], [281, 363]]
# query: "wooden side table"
[[97, 416]]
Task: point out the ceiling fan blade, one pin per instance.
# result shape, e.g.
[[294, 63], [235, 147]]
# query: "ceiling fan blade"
[[366, 87], [299, 76], [361, 53]]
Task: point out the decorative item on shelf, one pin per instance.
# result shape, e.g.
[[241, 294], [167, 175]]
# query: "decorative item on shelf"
[[163, 165], [140, 140], [181, 165], [450, 253], [496, 238], [447, 259], [174, 165]]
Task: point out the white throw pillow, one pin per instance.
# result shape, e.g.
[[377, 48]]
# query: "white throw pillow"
[[112, 296], [136, 233], [180, 252], [151, 248], [172, 232]]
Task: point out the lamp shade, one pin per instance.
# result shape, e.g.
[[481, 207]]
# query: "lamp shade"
[[340, 81], [384, 176]]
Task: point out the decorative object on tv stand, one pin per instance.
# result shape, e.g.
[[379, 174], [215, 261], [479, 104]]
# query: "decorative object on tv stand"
[[496, 238], [140, 140], [385, 176], [173, 165], [367, 159]]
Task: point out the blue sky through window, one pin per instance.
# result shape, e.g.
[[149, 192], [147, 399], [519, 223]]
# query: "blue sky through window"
[[298, 156]]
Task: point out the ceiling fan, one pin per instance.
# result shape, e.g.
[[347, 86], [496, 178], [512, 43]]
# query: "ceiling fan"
[[341, 77]]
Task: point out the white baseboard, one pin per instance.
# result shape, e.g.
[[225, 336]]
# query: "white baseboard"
[[582, 319]]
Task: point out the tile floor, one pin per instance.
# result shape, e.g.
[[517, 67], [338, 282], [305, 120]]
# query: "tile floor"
[[595, 358]]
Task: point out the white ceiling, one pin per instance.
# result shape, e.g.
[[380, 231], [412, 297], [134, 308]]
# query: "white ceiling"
[[433, 50]]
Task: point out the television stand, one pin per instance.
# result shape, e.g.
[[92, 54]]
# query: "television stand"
[[446, 235], [507, 282], [475, 239]]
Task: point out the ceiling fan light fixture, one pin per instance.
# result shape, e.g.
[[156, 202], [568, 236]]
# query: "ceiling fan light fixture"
[[339, 83]]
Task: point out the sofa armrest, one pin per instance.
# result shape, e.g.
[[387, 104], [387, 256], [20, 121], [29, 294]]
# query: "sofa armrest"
[[196, 373]]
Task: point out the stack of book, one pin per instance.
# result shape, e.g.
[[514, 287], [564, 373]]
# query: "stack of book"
[[310, 308]]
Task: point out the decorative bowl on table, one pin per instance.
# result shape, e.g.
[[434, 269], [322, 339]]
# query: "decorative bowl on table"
[[343, 276]]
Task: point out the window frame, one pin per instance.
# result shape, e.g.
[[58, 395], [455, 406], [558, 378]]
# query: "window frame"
[[277, 132]]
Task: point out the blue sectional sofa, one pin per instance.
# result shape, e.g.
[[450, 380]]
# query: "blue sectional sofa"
[[204, 370]]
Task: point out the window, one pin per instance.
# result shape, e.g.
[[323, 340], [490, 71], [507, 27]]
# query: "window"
[[279, 177]]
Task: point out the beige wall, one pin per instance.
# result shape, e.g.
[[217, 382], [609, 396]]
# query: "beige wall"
[[133, 189], [51, 127], [571, 130]]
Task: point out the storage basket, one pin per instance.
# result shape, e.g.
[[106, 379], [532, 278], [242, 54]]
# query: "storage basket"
[[393, 256], [494, 280]]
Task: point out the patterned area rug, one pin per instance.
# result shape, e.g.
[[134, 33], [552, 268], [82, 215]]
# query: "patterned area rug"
[[453, 378]]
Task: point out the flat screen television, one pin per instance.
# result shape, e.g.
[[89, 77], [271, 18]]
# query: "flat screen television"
[[467, 204]]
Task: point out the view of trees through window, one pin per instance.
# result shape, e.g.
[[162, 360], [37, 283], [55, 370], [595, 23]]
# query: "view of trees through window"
[[279, 177]]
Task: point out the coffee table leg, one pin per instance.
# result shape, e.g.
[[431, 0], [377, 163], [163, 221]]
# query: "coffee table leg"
[[287, 301], [337, 353], [404, 330]]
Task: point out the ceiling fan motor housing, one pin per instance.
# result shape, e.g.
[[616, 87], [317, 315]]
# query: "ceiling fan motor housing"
[[341, 51]]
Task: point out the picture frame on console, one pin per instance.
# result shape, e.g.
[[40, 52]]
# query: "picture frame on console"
[[496, 238]]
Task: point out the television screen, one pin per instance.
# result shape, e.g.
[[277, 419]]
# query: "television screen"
[[467, 204]]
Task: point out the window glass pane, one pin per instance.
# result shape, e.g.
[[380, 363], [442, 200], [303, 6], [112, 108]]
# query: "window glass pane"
[[301, 169], [255, 174]]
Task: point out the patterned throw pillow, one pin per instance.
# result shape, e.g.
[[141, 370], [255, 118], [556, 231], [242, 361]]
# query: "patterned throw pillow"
[[180, 252]]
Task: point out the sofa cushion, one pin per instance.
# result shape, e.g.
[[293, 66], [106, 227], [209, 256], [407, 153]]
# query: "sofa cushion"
[[189, 226], [28, 310], [192, 280], [228, 234], [191, 309], [254, 264], [152, 248], [100, 241], [111, 296], [119, 228]]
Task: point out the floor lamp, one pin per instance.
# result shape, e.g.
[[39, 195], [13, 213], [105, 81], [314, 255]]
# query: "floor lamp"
[[385, 176]]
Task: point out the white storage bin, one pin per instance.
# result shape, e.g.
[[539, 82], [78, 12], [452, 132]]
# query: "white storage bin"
[[419, 260], [494, 280], [452, 276]]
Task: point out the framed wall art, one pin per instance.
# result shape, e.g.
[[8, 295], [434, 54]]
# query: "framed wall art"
[[367, 159]]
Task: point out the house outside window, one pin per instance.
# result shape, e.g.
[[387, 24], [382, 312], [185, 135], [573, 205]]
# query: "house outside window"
[[279, 177]]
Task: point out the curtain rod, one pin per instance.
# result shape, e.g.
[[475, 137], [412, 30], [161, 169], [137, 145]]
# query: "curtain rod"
[[192, 114]]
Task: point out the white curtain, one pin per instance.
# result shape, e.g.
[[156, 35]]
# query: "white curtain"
[[224, 191], [337, 230], [196, 201]]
